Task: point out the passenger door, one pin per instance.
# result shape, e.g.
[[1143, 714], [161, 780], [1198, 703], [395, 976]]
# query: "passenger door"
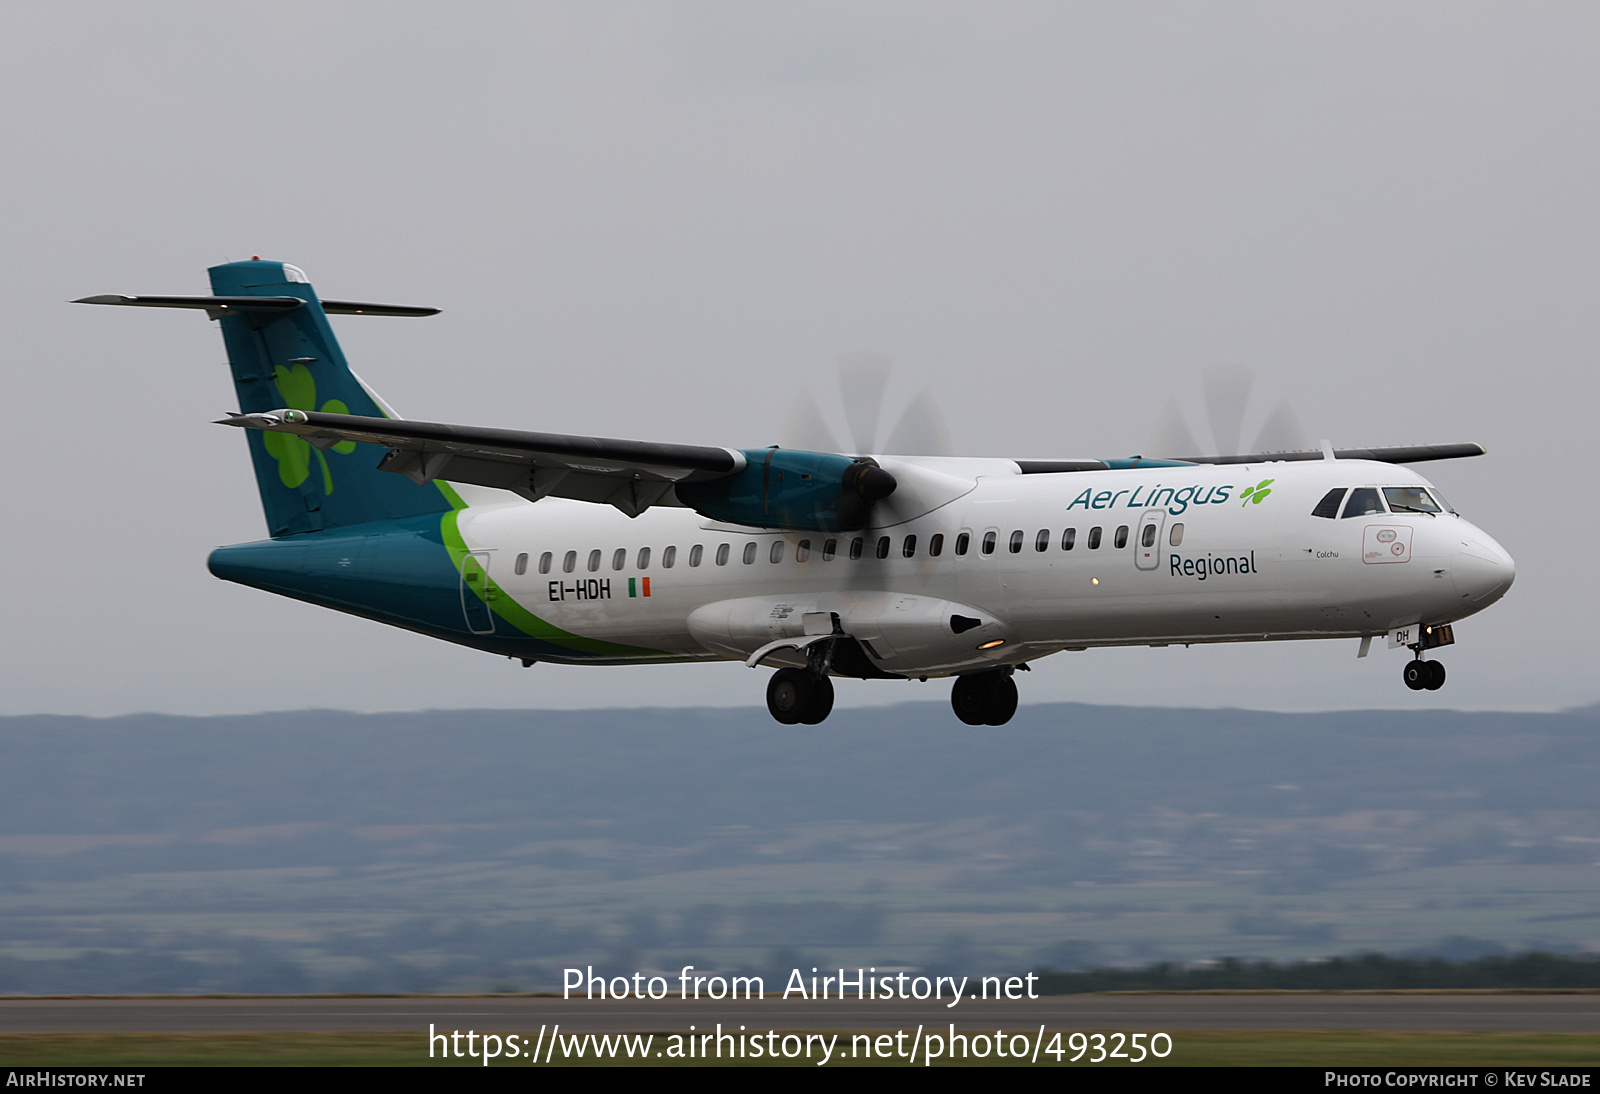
[[475, 594], [1147, 540]]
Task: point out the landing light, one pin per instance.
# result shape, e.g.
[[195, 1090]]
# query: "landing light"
[[1094, 581], [992, 645]]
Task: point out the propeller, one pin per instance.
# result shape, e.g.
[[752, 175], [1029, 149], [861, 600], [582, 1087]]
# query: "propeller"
[[919, 430], [1227, 396]]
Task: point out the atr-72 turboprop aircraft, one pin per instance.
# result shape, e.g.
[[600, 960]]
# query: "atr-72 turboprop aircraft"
[[584, 550]]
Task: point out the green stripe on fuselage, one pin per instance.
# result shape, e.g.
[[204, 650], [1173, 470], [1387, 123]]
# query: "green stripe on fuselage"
[[503, 605]]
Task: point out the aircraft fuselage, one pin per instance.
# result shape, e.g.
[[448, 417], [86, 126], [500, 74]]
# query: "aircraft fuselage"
[[1026, 565]]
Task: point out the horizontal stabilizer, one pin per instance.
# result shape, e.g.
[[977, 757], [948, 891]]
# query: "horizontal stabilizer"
[[221, 305]]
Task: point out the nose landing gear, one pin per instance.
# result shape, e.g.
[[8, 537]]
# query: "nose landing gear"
[[799, 697], [985, 698], [1420, 674]]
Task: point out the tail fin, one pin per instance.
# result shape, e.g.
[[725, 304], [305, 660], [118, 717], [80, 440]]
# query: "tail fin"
[[288, 357]]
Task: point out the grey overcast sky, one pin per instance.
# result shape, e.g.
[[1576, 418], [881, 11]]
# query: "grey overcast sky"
[[663, 220]]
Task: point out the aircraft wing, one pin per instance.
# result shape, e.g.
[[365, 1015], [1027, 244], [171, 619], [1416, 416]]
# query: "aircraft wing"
[[1414, 453], [631, 475]]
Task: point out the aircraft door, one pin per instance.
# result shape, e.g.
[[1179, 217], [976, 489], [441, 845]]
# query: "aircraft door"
[[1147, 541], [476, 594]]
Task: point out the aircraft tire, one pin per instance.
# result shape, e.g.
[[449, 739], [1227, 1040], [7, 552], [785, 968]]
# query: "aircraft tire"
[[1435, 676], [821, 704], [973, 697], [1005, 702], [789, 695], [1416, 675]]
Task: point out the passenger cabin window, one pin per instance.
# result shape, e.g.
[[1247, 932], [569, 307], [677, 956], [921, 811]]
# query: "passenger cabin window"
[[908, 549], [1094, 538], [594, 560], [749, 552], [802, 550], [569, 563], [619, 558], [522, 565], [1363, 502], [1069, 538], [544, 562], [669, 557], [1409, 499], [1175, 537], [1041, 542], [988, 543], [696, 553], [1120, 540], [1016, 542], [962, 541], [936, 545], [830, 547], [1329, 505], [855, 548], [644, 558], [883, 547], [776, 553], [723, 550], [1148, 539]]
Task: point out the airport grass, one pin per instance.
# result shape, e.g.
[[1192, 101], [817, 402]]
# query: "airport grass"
[[1193, 1048]]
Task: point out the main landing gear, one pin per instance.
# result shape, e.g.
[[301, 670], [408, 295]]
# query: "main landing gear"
[[985, 698], [799, 696], [1420, 674]]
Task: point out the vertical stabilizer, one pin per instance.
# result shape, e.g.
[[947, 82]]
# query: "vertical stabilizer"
[[288, 357]]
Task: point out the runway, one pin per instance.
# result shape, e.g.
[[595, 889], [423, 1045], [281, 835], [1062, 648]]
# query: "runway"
[[1463, 1012]]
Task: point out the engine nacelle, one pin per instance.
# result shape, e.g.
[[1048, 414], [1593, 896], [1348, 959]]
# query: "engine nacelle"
[[794, 489]]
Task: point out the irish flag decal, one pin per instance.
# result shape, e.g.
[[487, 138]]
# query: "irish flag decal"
[[638, 586]]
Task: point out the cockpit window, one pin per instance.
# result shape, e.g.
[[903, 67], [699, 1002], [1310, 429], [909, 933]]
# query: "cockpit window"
[[1409, 499], [1329, 505], [1364, 501]]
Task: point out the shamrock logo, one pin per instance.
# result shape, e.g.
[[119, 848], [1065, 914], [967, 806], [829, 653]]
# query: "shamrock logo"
[[299, 391], [1257, 492]]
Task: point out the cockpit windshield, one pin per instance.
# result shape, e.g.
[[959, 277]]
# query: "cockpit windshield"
[[1410, 499], [1364, 501]]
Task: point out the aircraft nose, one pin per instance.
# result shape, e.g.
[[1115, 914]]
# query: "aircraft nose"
[[1482, 570]]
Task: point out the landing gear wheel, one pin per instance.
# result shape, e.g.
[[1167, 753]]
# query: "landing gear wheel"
[[787, 694], [984, 699], [1435, 676], [821, 704], [1005, 702], [972, 697], [798, 697], [1417, 675]]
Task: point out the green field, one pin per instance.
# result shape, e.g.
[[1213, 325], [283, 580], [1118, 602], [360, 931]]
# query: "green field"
[[1302, 1048]]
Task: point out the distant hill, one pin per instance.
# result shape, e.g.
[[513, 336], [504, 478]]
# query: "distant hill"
[[456, 847]]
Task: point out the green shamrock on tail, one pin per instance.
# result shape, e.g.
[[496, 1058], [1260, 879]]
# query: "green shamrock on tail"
[[299, 391], [1257, 492]]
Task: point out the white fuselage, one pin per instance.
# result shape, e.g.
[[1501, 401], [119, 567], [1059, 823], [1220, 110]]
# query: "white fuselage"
[[1226, 562]]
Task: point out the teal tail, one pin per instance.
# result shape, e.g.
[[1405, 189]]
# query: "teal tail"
[[288, 357]]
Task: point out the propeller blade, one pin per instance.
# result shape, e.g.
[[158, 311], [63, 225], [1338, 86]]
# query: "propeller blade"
[[921, 430], [1227, 392], [1282, 432], [804, 427], [1171, 439], [862, 380]]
